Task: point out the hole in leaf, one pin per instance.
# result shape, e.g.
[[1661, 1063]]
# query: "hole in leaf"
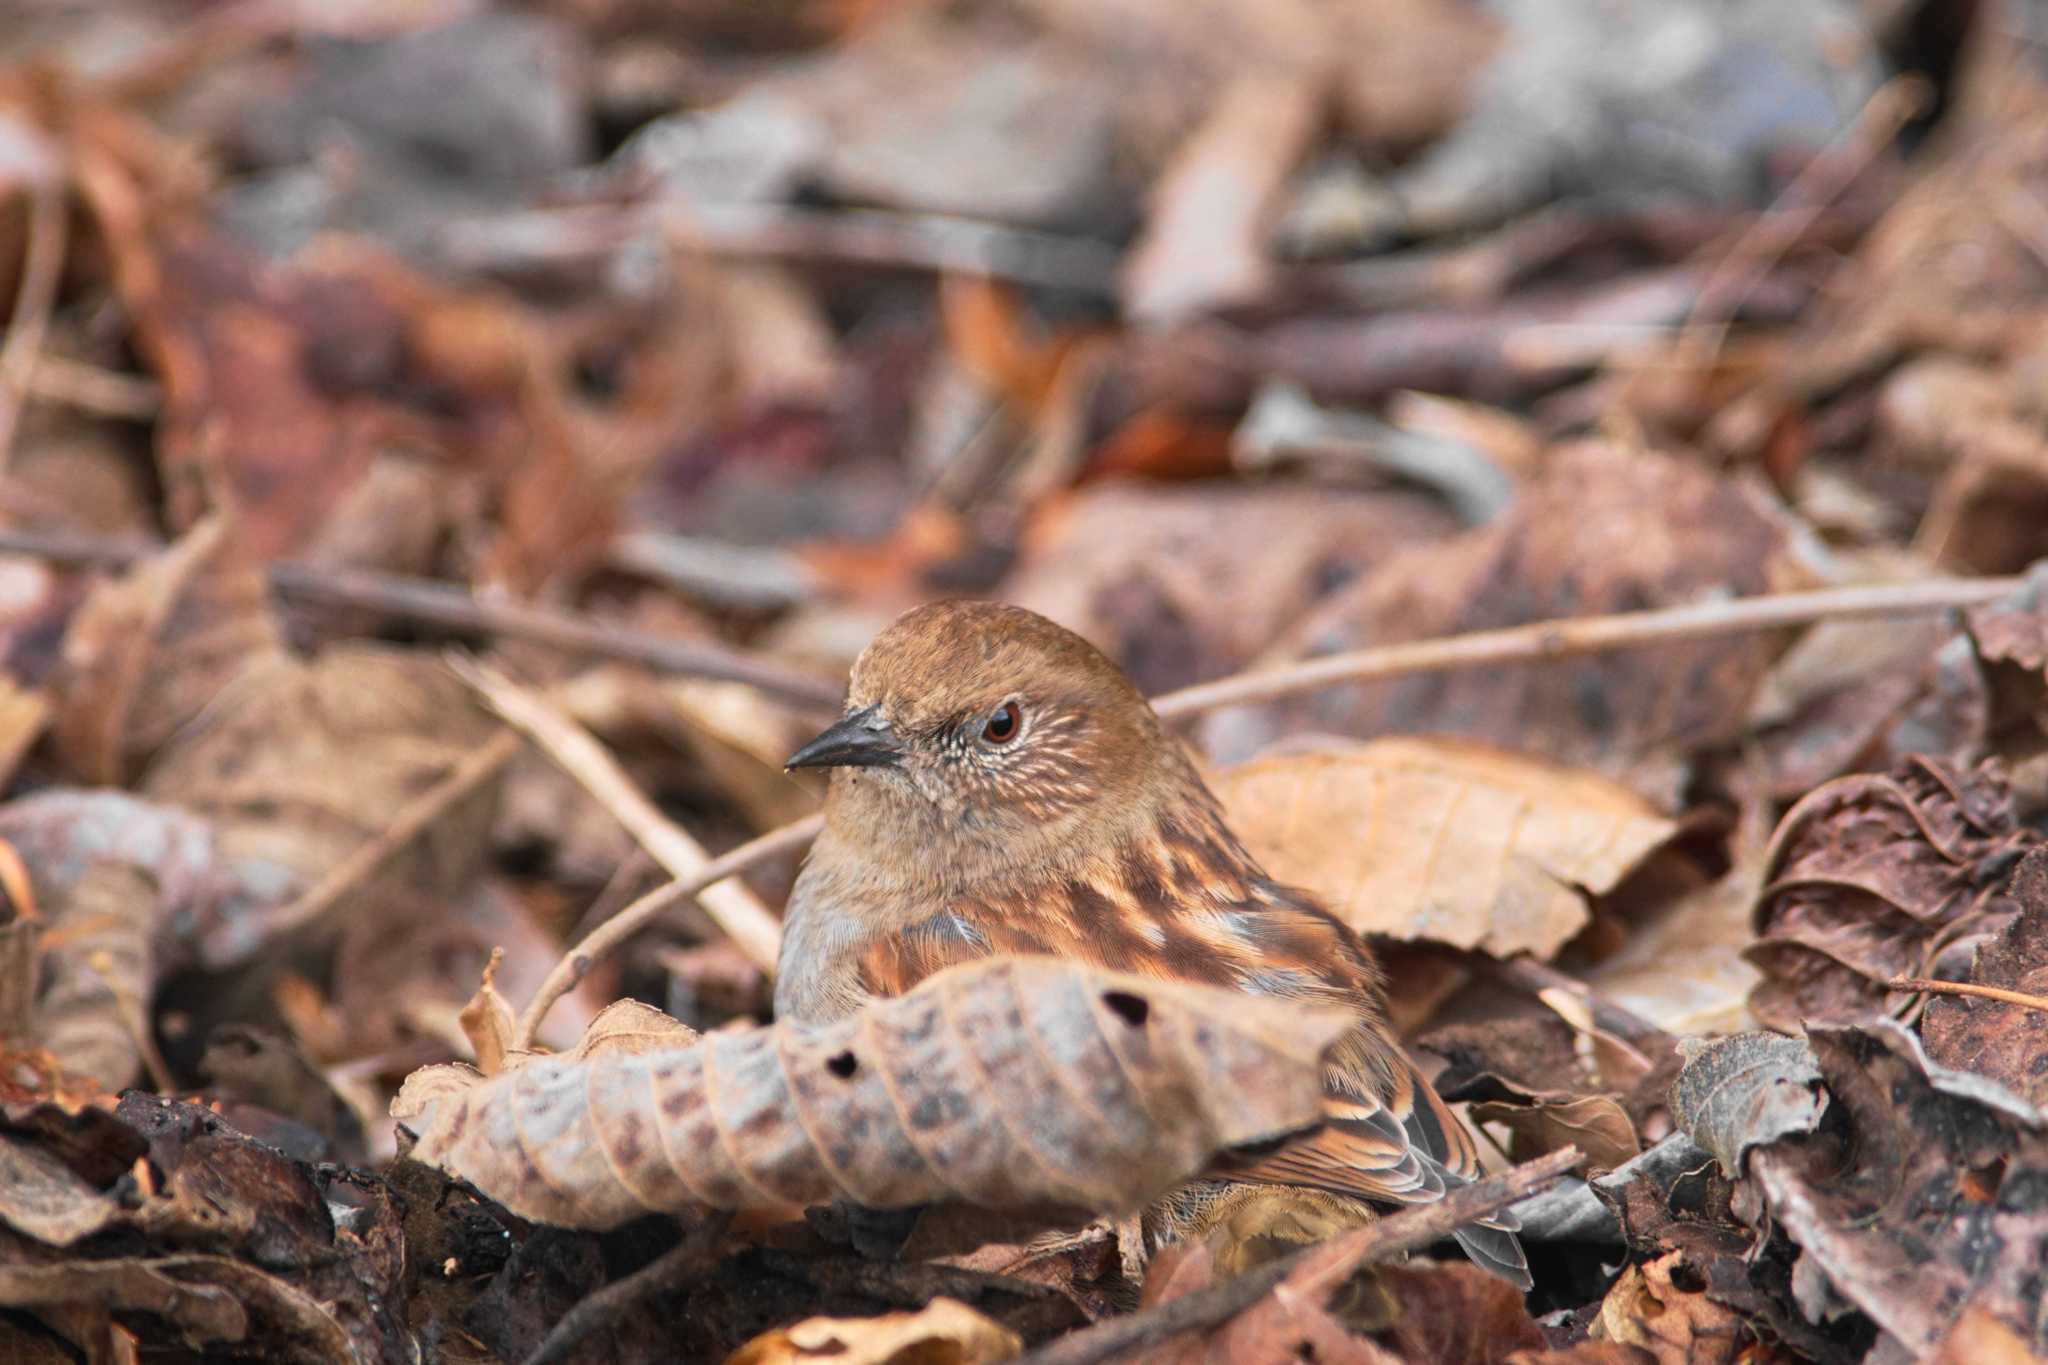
[[1128, 1007], [842, 1065]]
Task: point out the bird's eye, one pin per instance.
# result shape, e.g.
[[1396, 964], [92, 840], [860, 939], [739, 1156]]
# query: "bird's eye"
[[1003, 724]]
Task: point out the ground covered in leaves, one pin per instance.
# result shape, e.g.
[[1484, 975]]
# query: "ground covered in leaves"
[[450, 453]]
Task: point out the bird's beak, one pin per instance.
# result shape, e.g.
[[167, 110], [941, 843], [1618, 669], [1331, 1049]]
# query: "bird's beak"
[[860, 740]]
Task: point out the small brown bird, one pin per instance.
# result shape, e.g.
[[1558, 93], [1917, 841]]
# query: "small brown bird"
[[999, 786]]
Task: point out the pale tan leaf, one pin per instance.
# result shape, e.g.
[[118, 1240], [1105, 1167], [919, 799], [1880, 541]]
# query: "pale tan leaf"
[[1443, 839], [630, 1028], [1682, 966], [943, 1332], [1015, 1083]]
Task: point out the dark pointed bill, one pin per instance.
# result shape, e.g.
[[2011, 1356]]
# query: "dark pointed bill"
[[860, 740]]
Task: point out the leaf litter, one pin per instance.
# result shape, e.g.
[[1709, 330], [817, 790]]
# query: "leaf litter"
[[569, 335]]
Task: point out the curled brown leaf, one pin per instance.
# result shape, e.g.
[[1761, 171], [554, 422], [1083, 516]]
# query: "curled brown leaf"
[[1879, 876], [1013, 1083]]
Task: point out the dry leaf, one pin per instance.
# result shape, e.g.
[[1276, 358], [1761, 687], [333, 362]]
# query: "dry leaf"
[[488, 1020], [1682, 966], [1544, 1121], [299, 763], [1936, 1199], [1879, 876], [1741, 1092], [1015, 1083], [1647, 1310], [1978, 1338], [1332, 1310], [2001, 1041], [1444, 840], [943, 1332], [100, 965], [1603, 528], [1204, 243], [149, 650], [1181, 584]]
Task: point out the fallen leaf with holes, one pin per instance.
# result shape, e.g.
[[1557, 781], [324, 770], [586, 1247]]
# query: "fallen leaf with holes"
[[943, 1332], [1444, 840], [1014, 1083], [152, 648], [1879, 876], [1648, 1310], [2003, 1041]]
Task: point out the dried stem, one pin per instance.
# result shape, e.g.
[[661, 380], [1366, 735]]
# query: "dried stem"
[[42, 269], [738, 911], [1999, 993], [1546, 641], [423, 600], [622, 926], [1409, 1230]]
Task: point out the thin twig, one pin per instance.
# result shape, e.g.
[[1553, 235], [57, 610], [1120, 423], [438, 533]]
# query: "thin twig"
[[930, 243], [738, 911], [665, 1274], [1411, 1229], [312, 909], [1544, 641], [1999, 993], [90, 389], [42, 269], [566, 973], [441, 604]]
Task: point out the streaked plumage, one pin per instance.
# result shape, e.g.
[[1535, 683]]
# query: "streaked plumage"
[[1085, 834]]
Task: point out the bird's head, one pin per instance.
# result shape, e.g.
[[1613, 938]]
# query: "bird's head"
[[980, 731]]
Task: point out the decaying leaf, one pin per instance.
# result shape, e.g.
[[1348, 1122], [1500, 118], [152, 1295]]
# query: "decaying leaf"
[[148, 650], [1441, 839], [1543, 1121], [1014, 1083], [1738, 1093], [1941, 1204], [100, 960], [1992, 1038], [1180, 584], [943, 1332], [1879, 876], [1332, 1309], [1648, 1310], [1602, 528], [299, 763]]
